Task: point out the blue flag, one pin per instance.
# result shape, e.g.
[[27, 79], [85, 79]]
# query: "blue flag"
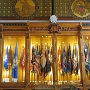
[[64, 60], [87, 58], [48, 67], [15, 63], [6, 59], [86, 52], [69, 61], [87, 65]]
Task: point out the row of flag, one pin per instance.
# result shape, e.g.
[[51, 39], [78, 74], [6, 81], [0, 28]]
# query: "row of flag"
[[15, 61], [41, 59], [68, 61]]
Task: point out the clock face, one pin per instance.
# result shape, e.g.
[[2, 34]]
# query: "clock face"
[[24, 9], [80, 9]]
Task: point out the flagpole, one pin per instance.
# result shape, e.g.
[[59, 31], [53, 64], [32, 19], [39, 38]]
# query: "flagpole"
[[63, 76], [33, 76], [8, 71], [22, 74], [6, 74]]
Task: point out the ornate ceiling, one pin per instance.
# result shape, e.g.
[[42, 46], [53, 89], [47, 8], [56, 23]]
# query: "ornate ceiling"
[[42, 9]]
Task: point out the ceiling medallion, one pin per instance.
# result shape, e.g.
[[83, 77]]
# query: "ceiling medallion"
[[80, 9], [24, 9]]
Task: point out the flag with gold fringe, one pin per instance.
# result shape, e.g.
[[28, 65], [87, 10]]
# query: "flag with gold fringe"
[[15, 63], [69, 61], [64, 60]]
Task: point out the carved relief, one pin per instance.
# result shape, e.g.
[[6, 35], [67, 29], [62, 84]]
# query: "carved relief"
[[14, 29], [67, 28], [53, 28], [38, 29], [25, 8], [80, 8]]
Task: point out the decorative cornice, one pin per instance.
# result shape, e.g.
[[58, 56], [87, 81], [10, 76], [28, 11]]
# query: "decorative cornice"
[[42, 86], [86, 24], [14, 24], [65, 86], [68, 28], [10, 87], [85, 30], [14, 29], [55, 28], [31, 29], [52, 28]]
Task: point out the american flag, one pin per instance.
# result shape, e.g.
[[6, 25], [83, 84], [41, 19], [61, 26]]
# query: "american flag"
[[69, 61], [64, 60]]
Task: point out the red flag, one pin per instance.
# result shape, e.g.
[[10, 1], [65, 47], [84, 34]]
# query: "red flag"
[[23, 59]]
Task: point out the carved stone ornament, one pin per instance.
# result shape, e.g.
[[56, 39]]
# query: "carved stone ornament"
[[54, 28], [38, 29], [20, 29]]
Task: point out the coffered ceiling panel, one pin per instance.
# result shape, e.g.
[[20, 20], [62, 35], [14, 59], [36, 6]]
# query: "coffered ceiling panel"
[[42, 9]]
